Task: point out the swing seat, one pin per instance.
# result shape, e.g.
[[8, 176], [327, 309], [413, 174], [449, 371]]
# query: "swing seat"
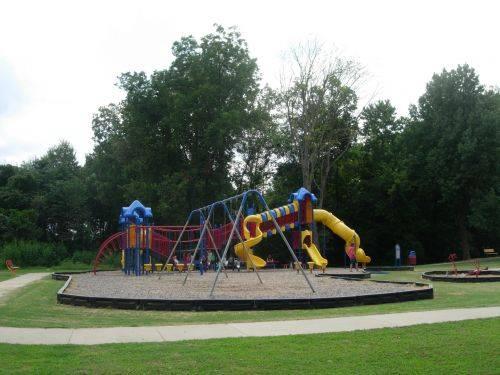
[[180, 266]]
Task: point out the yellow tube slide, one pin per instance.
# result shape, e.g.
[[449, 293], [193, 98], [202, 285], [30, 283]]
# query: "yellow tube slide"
[[247, 256], [338, 227]]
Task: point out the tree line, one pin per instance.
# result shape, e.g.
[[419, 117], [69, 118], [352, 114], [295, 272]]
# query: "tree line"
[[206, 127]]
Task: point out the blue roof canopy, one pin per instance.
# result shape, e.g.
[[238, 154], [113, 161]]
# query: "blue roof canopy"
[[136, 213], [302, 194]]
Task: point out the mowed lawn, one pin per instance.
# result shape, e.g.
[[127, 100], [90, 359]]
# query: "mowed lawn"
[[468, 347], [36, 306], [64, 266]]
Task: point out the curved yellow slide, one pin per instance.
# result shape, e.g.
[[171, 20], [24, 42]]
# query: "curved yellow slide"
[[312, 250], [315, 255], [244, 249], [338, 227]]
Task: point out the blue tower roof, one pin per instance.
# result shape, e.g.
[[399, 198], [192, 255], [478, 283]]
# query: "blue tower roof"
[[302, 194], [136, 212]]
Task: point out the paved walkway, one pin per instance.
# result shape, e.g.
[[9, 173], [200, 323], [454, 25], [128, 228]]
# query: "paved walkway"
[[93, 336], [10, 285]]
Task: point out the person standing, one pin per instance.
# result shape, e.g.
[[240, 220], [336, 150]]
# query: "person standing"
[[209, 256], [212, 260], [351, 253], [397, 251], [237, 264], [270, 261], [201, 266]]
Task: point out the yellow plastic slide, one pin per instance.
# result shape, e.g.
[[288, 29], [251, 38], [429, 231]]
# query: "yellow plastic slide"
[[315, 255], [338, 227], [312, 250], [244, 249]]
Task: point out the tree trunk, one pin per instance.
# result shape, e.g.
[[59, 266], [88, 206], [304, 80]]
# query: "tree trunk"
[[325, 173], [306, 175]]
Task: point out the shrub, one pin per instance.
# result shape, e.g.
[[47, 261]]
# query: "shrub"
[[111, 261], [85, 257], [33, 253], [69, 265]]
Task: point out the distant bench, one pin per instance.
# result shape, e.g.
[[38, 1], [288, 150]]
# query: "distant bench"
[[11, 267], [490, 252]]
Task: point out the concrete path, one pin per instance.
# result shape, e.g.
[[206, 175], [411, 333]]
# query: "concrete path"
[[10, 285], [93, 336]]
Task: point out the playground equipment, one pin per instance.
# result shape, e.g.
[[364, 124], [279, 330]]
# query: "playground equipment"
[[477, 269], [135, 220], [339, 228], [259, 226], [298, 216], [142, 245], [245, 201]]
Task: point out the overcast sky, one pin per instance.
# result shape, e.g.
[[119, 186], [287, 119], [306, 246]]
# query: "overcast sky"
[[59, 60]]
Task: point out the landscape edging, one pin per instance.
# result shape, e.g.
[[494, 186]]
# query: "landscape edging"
[[390, 268], [238, 305], [443, 276]]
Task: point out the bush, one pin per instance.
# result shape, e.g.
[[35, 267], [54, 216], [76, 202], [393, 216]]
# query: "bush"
[[111, 261], [69, 265], [85, 257], [33, 253]]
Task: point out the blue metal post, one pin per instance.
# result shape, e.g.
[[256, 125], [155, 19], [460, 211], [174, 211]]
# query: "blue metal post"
[[137, 251], [203, 249]]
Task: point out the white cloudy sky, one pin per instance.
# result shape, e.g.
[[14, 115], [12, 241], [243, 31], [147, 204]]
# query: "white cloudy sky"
[[59, 59]]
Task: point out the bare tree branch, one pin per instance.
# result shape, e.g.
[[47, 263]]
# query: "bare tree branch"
[[318, 102]]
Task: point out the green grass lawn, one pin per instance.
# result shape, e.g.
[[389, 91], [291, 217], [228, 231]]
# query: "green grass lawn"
[[5, 276], [491, 262], [35, 306], [468, 347], [64, 266]]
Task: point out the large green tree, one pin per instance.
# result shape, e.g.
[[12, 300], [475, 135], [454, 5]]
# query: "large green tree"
[[366, 188], [259, 147], [61, 198], [18, 219], [45, 199], [172, 141], [453, 156]]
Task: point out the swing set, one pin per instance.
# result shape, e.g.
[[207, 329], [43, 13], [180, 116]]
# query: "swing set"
[[205, 217]]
